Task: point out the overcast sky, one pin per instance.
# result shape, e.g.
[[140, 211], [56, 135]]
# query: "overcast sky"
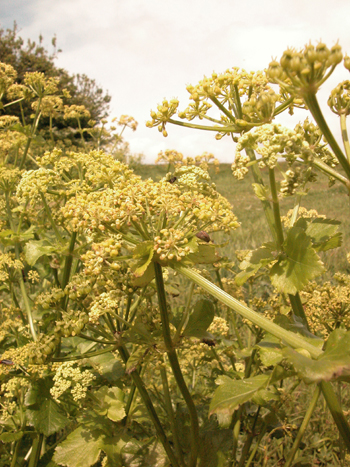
[[144, 50]]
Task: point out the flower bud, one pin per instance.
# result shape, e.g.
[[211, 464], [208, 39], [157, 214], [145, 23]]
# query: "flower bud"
[[347, 62]]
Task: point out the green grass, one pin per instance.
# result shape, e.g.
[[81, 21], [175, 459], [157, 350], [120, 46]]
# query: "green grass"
[[330, 201]]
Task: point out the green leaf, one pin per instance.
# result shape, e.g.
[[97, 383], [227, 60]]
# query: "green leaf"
[[200, 319], [229, 395], [82, 448], [261, 191], [145, 252], [43, 413], [11, 437], [34, 249], [111, 403], [110, 368], [146, 278], [206, 254], [138, 333], [48, 419], [253, 262], [323, 232], [301, 264], [270, 350], [332, 365]]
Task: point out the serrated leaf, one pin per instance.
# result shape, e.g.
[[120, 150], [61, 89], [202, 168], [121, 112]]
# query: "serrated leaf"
[[253, 262], [82, 448], [48, 419], [200, 319], [301, 264], [332, 365], [270, 350], [232, 393], [323, 232], [261, 191], [145, 252], [43, 413], [206, 254], [11, 437], [146, 277], [111, 403], [34, 249]]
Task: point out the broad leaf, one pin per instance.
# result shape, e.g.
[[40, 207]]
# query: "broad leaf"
[[34, 249], [83, 447], [270, 350], [111, 403], [206, 254], [43, 413], [300, 265], [145, 252], [332, 365], [200, 319], [232, 393], [261, 191], [11, 437], [253, 262], [48, 418], [323, 232]]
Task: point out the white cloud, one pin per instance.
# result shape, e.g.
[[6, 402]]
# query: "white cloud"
[[142, 51]]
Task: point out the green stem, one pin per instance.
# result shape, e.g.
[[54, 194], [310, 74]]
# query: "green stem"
[[303, 426], [330, 171], [235, 433], [298, 308], [336, 411], [312, 103], [185, 315], [69, 261], [53, 224], [249, 440], [36, 449], [221, 129], [344, 134], [265, 203], [174, 363], [170, 412], [93, 339], [150, 409], [257, 444], [290, 338], [130, 399], [70, 358], [21, 281], [223, 109], [276, 209], [15, 453], [32, 133]]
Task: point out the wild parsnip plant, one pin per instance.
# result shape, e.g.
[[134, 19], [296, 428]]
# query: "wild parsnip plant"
[[126, 339]]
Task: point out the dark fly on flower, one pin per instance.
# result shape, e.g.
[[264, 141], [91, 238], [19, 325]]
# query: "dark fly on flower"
[[172, 180]]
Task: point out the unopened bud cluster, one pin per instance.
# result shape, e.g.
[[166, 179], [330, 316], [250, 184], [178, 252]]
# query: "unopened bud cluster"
[[305, 70]]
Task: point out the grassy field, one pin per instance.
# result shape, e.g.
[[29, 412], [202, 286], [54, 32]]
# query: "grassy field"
[[332, 202]]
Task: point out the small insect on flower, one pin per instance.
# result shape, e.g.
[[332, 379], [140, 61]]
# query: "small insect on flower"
[[6, 362], [203, 236], [209, 342], [172, 180]]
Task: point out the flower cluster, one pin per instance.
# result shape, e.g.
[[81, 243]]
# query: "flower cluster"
[[327, 306], [165, 111], [244, 100], [171, 156], [304, 71], [339, 100], [7, 76], [69, 377]]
